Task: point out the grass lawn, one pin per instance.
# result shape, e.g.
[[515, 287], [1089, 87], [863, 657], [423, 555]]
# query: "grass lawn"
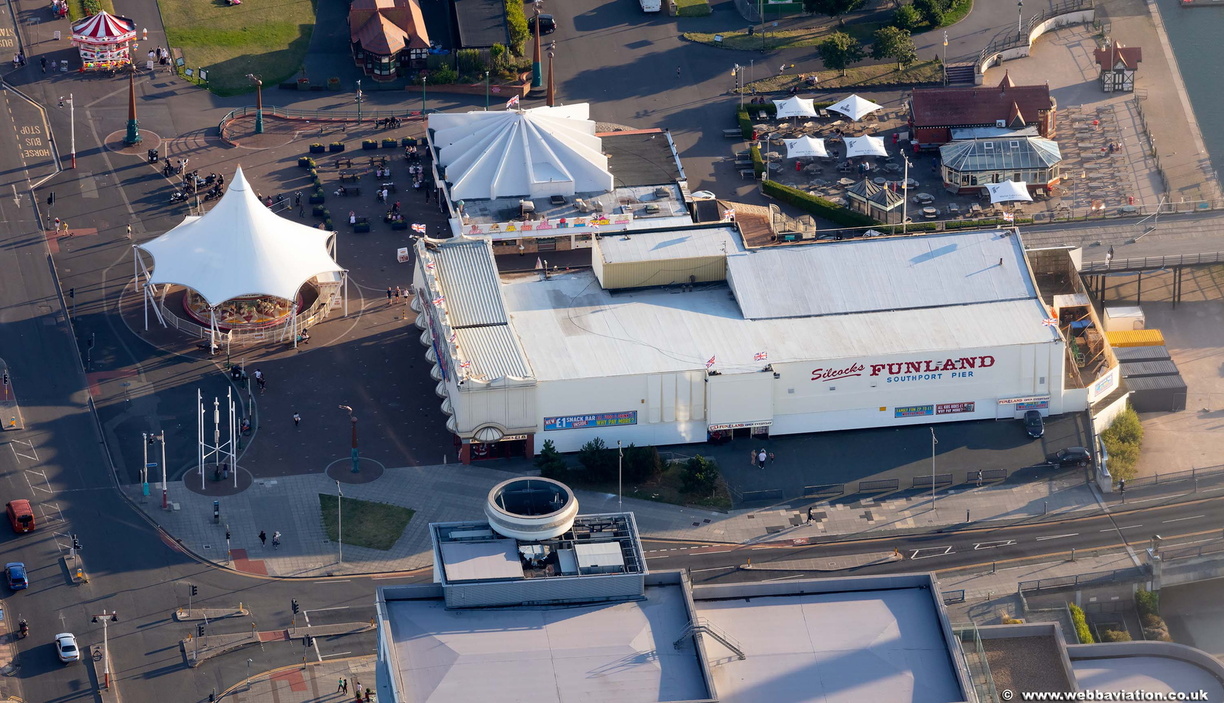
[[76, 8], [692, 8], [366, 524], [265, 37], [784, 39], [856, 77]]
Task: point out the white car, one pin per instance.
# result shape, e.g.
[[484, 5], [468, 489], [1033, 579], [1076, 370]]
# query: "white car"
[[66, 647]]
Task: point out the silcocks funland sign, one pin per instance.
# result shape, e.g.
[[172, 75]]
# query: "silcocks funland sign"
[[907, 371]]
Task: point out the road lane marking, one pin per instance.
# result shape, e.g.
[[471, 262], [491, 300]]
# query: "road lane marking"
[[994, 545], [946, 551], [1179, 519], [1069, 534], [1122, 527]]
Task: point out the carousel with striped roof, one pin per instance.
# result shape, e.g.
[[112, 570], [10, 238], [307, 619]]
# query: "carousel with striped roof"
[[104, 41]]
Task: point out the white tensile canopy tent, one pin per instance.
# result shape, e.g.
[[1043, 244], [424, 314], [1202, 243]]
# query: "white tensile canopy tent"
[[539, 152], [805, 146], [855, 107], [795, 107], [1009, 191], [239, 248], [865, 146]]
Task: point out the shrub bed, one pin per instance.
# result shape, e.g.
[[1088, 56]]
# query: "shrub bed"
[[817, 206], [1122, 441], [1080, 621]]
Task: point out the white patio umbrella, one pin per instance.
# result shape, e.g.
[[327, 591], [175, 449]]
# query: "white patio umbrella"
[[795, 107], [804, 146], [865, 146], [1008, 191], [855, 107]]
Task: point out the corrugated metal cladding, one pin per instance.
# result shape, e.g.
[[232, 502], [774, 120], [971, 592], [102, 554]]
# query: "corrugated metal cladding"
[[493, 351], [1134, 369], [643, 274], [469, 281], [1127, 355], [539, 590], [877, 275]]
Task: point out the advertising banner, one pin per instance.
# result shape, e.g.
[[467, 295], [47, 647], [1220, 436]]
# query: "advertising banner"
[[914, 411], [600, 222], [953, 408], [579, 422]]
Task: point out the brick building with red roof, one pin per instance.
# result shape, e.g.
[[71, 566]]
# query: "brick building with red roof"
[[936, 112], [387, 36]]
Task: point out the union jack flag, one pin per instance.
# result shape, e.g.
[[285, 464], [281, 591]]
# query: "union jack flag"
[[1050, 322], [710, 362], [454, 336], [464, 364], [429, 266], [439, 300], [760, 356], [418, 228], [512, 102], [1008, 217]]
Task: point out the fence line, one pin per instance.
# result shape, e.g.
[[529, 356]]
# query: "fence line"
[[320, 115], [1064, 8], [1195, 474], [1153, 262], [1076, 580]]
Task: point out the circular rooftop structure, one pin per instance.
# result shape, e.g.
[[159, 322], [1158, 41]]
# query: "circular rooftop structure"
[[531, 509]]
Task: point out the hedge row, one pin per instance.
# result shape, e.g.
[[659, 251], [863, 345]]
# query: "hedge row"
[[1122, 441], [1080, 621], [817, 206], [758, 164]]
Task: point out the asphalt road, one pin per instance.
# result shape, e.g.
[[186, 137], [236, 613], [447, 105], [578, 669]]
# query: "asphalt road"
[[958, 548]]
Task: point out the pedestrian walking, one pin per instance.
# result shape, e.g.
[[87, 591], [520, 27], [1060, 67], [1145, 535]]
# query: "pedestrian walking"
[[389, 294], [979, 478], [263, 538], [297, 199], [369, 695], [261, 381], [276, 539], [771, 457], [340, 685], [64, 225], [752, 457], [43, 62], [129, 231], [761, 457], [358, 690], [398, 292], [677, 71], [344, 685], [297, 420]]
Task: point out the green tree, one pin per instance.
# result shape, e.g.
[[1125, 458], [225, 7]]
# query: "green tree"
[[932, 11], [550, 462], [894, 43], [840, 51], [832, 8], [598, 460], [700, 476], [906, 17], [1122, 441], [516, 23], [499, 57], [641, 464]]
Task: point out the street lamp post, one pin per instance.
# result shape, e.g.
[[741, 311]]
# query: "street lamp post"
[[424, 80], [72, 128], [537, 72], [486, 91], [106, 618], [905, 193], [354, 455], [340, 521], [620, 491], [738, 72], [933, 443], [359, 98], [248, 679], [552, 88], [259, 123], [1019, 17]]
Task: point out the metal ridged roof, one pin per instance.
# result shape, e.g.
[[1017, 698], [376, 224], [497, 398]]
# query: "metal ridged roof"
[[468, 280], [1000, 154], [493, 352]]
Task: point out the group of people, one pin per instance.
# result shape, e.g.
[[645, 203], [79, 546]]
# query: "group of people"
[[388, 122], [19, 60], [59, 8], [411, 153], [160, 55]]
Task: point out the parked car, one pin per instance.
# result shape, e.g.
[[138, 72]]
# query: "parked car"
[[15, 571], [1071, 456], [548, 24], [20, 515], [1033, 424], [66, 647]]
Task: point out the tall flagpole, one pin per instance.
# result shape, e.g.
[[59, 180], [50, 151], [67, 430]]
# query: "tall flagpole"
[[340, 520]]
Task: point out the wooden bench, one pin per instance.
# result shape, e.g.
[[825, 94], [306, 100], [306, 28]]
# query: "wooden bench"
[[733, 134], [378, 161], [349, 176], [344, 163]]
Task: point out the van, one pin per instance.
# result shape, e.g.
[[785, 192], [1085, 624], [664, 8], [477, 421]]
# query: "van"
[[21, 516]]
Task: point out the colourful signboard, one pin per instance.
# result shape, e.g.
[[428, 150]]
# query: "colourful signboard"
[[581, 422], [953, 408], [914, 411], [1036, 405]]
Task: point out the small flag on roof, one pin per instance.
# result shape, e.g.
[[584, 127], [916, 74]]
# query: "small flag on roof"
[[710, 362], [1008, 217], [512, 102], [465, 364], [760, 356], [429, 266], [439, 300], [1050, 322], [419, 228]]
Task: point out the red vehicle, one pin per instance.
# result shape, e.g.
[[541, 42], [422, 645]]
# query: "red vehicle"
[[21, 516]]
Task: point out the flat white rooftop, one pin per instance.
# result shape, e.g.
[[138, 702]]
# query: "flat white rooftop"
[[569, 327], [842, 647], [1148, 674], [611, 652]]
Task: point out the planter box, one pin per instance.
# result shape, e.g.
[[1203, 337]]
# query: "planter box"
[[316, 200], [317, 148], [306, 162], [389, 144], [408, 141], [361, 227], [369, 144], [303, 85], [327, 224], [317, 210], [336, 146], [399, 225], [333, 84]]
